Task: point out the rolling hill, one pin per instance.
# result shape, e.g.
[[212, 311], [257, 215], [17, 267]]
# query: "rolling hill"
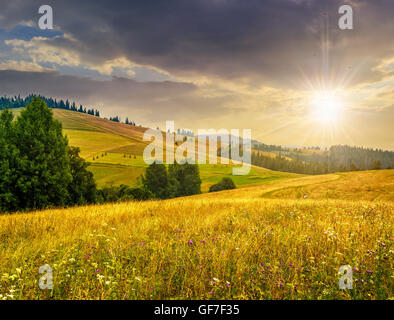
[[114, 151]]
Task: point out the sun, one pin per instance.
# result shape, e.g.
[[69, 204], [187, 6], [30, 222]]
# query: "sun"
[[326, 108]]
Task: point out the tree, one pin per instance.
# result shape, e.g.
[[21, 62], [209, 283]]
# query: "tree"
[[43, 173], [156, 181], [186, 178], [9, 161], [82, 188], [225, 184], [377, 165]]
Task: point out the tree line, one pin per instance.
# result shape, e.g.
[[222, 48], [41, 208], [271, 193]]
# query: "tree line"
[[344, 156], [19, 102], [336, 159]]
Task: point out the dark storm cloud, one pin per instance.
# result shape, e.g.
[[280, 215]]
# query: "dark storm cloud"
[[120, 89], [152, 101], [266, 41]]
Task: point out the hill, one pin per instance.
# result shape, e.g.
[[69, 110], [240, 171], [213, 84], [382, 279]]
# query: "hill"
[[114, 151], [361, 185]]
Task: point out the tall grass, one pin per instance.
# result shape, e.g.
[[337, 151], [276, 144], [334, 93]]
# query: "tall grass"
[[200, 248]]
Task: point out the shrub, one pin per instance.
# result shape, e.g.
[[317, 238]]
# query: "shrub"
[[225, 184]]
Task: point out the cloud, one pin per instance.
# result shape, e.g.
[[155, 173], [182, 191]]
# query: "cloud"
[[222, 63], [22, 66], [268, 42], [150, 101]]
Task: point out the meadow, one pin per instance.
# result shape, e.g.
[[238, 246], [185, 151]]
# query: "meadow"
[[277, 236], [114, 151], [238, 244]]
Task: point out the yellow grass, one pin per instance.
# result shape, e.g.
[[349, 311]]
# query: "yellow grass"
[[229, 245]]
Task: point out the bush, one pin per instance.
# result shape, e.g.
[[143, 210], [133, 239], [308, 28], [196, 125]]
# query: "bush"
[[123, 193], [224, 184], [141, 194]]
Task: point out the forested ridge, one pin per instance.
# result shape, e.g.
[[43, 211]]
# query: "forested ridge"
[[337, 158], [22, 102]]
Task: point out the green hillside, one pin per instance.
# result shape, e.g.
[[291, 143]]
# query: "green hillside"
[[114, 151]]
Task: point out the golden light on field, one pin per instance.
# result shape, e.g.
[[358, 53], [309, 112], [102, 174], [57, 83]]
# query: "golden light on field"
[[326, 108]]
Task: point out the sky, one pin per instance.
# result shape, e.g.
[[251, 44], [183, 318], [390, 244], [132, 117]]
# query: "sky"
[[282, 68]]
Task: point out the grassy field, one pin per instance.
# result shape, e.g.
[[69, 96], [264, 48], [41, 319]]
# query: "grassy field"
[[363, 185], [114, 151], [235, 244]]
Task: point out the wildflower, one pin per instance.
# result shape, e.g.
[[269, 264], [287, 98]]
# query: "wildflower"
[[369, 271], [190, 242]]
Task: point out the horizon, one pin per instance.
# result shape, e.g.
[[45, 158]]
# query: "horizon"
[[253, 141]]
